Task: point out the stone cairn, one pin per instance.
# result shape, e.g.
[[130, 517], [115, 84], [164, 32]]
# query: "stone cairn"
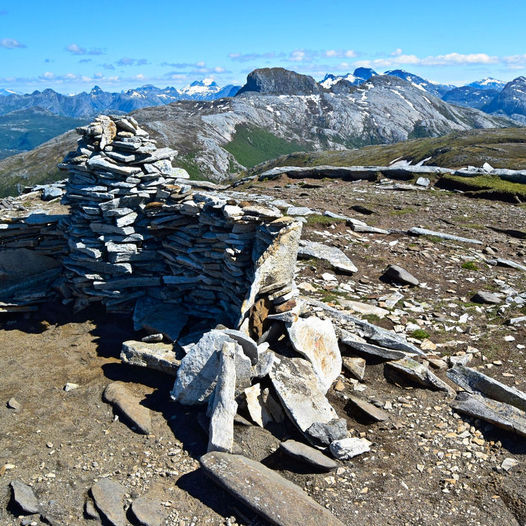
[[138, 233]]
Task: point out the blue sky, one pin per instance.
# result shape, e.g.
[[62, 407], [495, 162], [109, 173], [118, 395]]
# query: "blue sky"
[[71, 46]]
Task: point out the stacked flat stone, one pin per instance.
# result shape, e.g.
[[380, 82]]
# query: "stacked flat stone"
[[137, 230], [31, 251]]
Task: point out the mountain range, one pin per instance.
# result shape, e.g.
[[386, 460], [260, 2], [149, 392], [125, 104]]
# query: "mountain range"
[[278, 112]]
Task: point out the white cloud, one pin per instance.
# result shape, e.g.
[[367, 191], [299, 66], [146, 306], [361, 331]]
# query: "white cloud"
[[11, 43], [75, 49]]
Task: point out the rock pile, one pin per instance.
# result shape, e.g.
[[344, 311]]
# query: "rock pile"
[[137, 230]]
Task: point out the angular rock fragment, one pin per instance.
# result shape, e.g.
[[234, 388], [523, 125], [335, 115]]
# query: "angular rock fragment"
[[148, 512], [256, 407], [364, 408], [349, 447], [118, 395], [323, 433], [316, 340], [483, 296], [156, 356], [276, 499], [308, 454], [24, 498], [298, 389], [354, 366], [418, 373], [369, 349], [108, 496], [223, 407], [332, 255], [397, 274], [416, 231], [474, 381], [499, 414], [14, 404]]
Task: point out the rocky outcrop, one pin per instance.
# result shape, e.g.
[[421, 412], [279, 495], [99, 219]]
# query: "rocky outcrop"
[[279, 81]]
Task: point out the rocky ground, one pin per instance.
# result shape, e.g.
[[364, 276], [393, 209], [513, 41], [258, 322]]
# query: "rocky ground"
[[427, 464]]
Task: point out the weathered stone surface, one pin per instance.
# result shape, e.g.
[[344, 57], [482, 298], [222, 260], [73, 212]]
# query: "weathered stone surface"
[[223, 407], [298, 389], [266, 492], [499, 414], [362, 407], [416, 231], [250, 347], [510, 264], [332, 255], [308, 454], [368, 349], [483, 296], [474, 381], [118, 395], [419, 373], [397, 274], [108, 496], [256, 406], [156, 356], [323, 433], [355, 366], [363, 308], [148, 512], [349, 447], [24, 497], [316, 340]]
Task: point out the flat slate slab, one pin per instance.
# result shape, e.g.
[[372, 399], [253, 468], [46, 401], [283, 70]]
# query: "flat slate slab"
[[266, 492], [24, 497], [118, 395], [474, 381], [108, 496], [366, 408], [156, 356], [499, 414], [416, 231], [332, 255], [370, 349], [308, 455]]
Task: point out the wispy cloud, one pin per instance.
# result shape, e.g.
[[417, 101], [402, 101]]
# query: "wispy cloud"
[[11, 43], [297, 55], [75, 49], [85, 60], [127, 61], [110, 67], [192, 68], [249, 57]]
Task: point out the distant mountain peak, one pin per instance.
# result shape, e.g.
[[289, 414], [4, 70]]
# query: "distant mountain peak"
[[279, 81]]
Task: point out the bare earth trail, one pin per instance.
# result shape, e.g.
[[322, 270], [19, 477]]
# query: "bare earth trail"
[[427, 466]]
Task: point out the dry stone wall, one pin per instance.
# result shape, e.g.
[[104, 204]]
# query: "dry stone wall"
[[137, 229]]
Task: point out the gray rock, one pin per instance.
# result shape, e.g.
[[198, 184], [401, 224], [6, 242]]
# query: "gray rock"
[[108, 496], [118, 395], [366, 229], [396, 274], [156, 356], [168, 319], [250, 347], [332, 255], [90, 511], [486, 297], [323, 433], [355, 366], [24, 498], [499, 414], [14, 404], [299, 211], [349, 447], [153, 338], [51, 192], [276, 499], [416, 231], [423, 181], [148, 512], [474, 381], [223, 407], [510, 264], [308, 454], [298, 389], [316, 340], [517, 320], [368, 349], [362, 407], [418, 373]]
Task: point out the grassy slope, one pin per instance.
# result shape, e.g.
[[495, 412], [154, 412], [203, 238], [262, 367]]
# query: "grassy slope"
[[502, 148], [252, 145]]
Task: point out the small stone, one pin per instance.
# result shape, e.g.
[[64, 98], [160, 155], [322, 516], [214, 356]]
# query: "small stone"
[[486, 297], [121, 398], [90, 511], [24, 497], [108, 496], [369, 410], [349, 447], [148, 512], [509, 463], [339, 386], [355, 366], [153, 338], [12, 403], [397, 274], [70, 387], [308, 454]]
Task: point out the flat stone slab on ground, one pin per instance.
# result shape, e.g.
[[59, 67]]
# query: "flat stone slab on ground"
[[368, 409], [349, 447], [118, 395], [476, 382], [416, 231], [156, 356], [499, 414], [483, 296], [332, 255], [308, 454], [148, 512], [397, 274], [370, 349], [266, 492], [24, 497], [108, 497]]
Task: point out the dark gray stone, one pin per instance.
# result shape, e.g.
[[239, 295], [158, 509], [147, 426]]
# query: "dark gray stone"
[[24, 497], [108, 496], [308, 454], [489, 298], [397, 274]]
